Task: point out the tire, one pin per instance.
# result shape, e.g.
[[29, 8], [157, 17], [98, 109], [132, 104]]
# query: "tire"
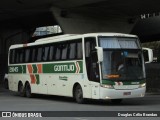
[[6, 84], [116, 101], [78, 94], [28, 91], [21, 90]]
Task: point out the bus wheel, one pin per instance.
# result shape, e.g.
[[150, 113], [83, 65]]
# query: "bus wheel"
[[116, 101], [79, 94], [28, 91], [21, 90]]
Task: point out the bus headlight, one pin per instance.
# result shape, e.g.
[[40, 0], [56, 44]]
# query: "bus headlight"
[[107, 86], [142, 85]]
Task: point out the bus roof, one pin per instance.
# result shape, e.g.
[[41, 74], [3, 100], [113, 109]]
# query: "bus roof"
[[85, 35], [70, 37]]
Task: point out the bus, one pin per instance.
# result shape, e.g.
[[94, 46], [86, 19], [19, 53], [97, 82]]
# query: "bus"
[[102, 66]]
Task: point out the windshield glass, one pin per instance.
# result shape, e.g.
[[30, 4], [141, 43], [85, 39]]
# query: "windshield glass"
[[122, 65], [122, 58]]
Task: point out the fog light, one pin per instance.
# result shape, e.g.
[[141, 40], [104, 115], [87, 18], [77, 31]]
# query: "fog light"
[[107, 86]]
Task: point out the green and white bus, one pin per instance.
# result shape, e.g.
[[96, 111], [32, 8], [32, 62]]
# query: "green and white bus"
[[87, 66]]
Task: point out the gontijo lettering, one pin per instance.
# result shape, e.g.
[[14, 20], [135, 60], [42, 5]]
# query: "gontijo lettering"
[[64, 68]]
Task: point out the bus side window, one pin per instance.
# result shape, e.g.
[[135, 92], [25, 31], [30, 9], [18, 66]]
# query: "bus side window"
[[72, 51], [39, 55], [21, 59], [58, 51], [33, 58], [12, 56], [79, 50], [45, 53], [64, 51], [17, 55], [27, 55], [51, 52]]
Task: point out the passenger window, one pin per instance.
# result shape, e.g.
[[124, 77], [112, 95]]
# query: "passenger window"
[[21, 56], [64, 51], [33, 55], [13, 56], [79, 50], [58, 52], [39, 55], [51, 53], [45, 53], [27, 55], [72, 51], [17, 56]]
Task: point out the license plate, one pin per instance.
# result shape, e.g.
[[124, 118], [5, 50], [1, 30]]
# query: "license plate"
[[127, 93]]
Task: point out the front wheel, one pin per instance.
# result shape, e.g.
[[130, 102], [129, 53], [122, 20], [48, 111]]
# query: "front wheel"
[[79, 94], [28, 91]]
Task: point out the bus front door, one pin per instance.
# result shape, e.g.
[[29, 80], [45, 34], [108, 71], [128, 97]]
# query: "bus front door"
[[94, 75]]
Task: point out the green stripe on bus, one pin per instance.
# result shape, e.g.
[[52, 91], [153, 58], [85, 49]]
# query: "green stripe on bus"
[[69, 67], [24, 68]]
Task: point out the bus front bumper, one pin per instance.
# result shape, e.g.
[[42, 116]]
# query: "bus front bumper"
[[121, 94]]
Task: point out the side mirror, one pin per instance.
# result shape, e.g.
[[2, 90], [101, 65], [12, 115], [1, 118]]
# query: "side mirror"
[[148, 55], [100, 54]]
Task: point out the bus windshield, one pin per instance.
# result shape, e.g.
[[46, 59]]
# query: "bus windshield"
[[122, 60], [122, 65]]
